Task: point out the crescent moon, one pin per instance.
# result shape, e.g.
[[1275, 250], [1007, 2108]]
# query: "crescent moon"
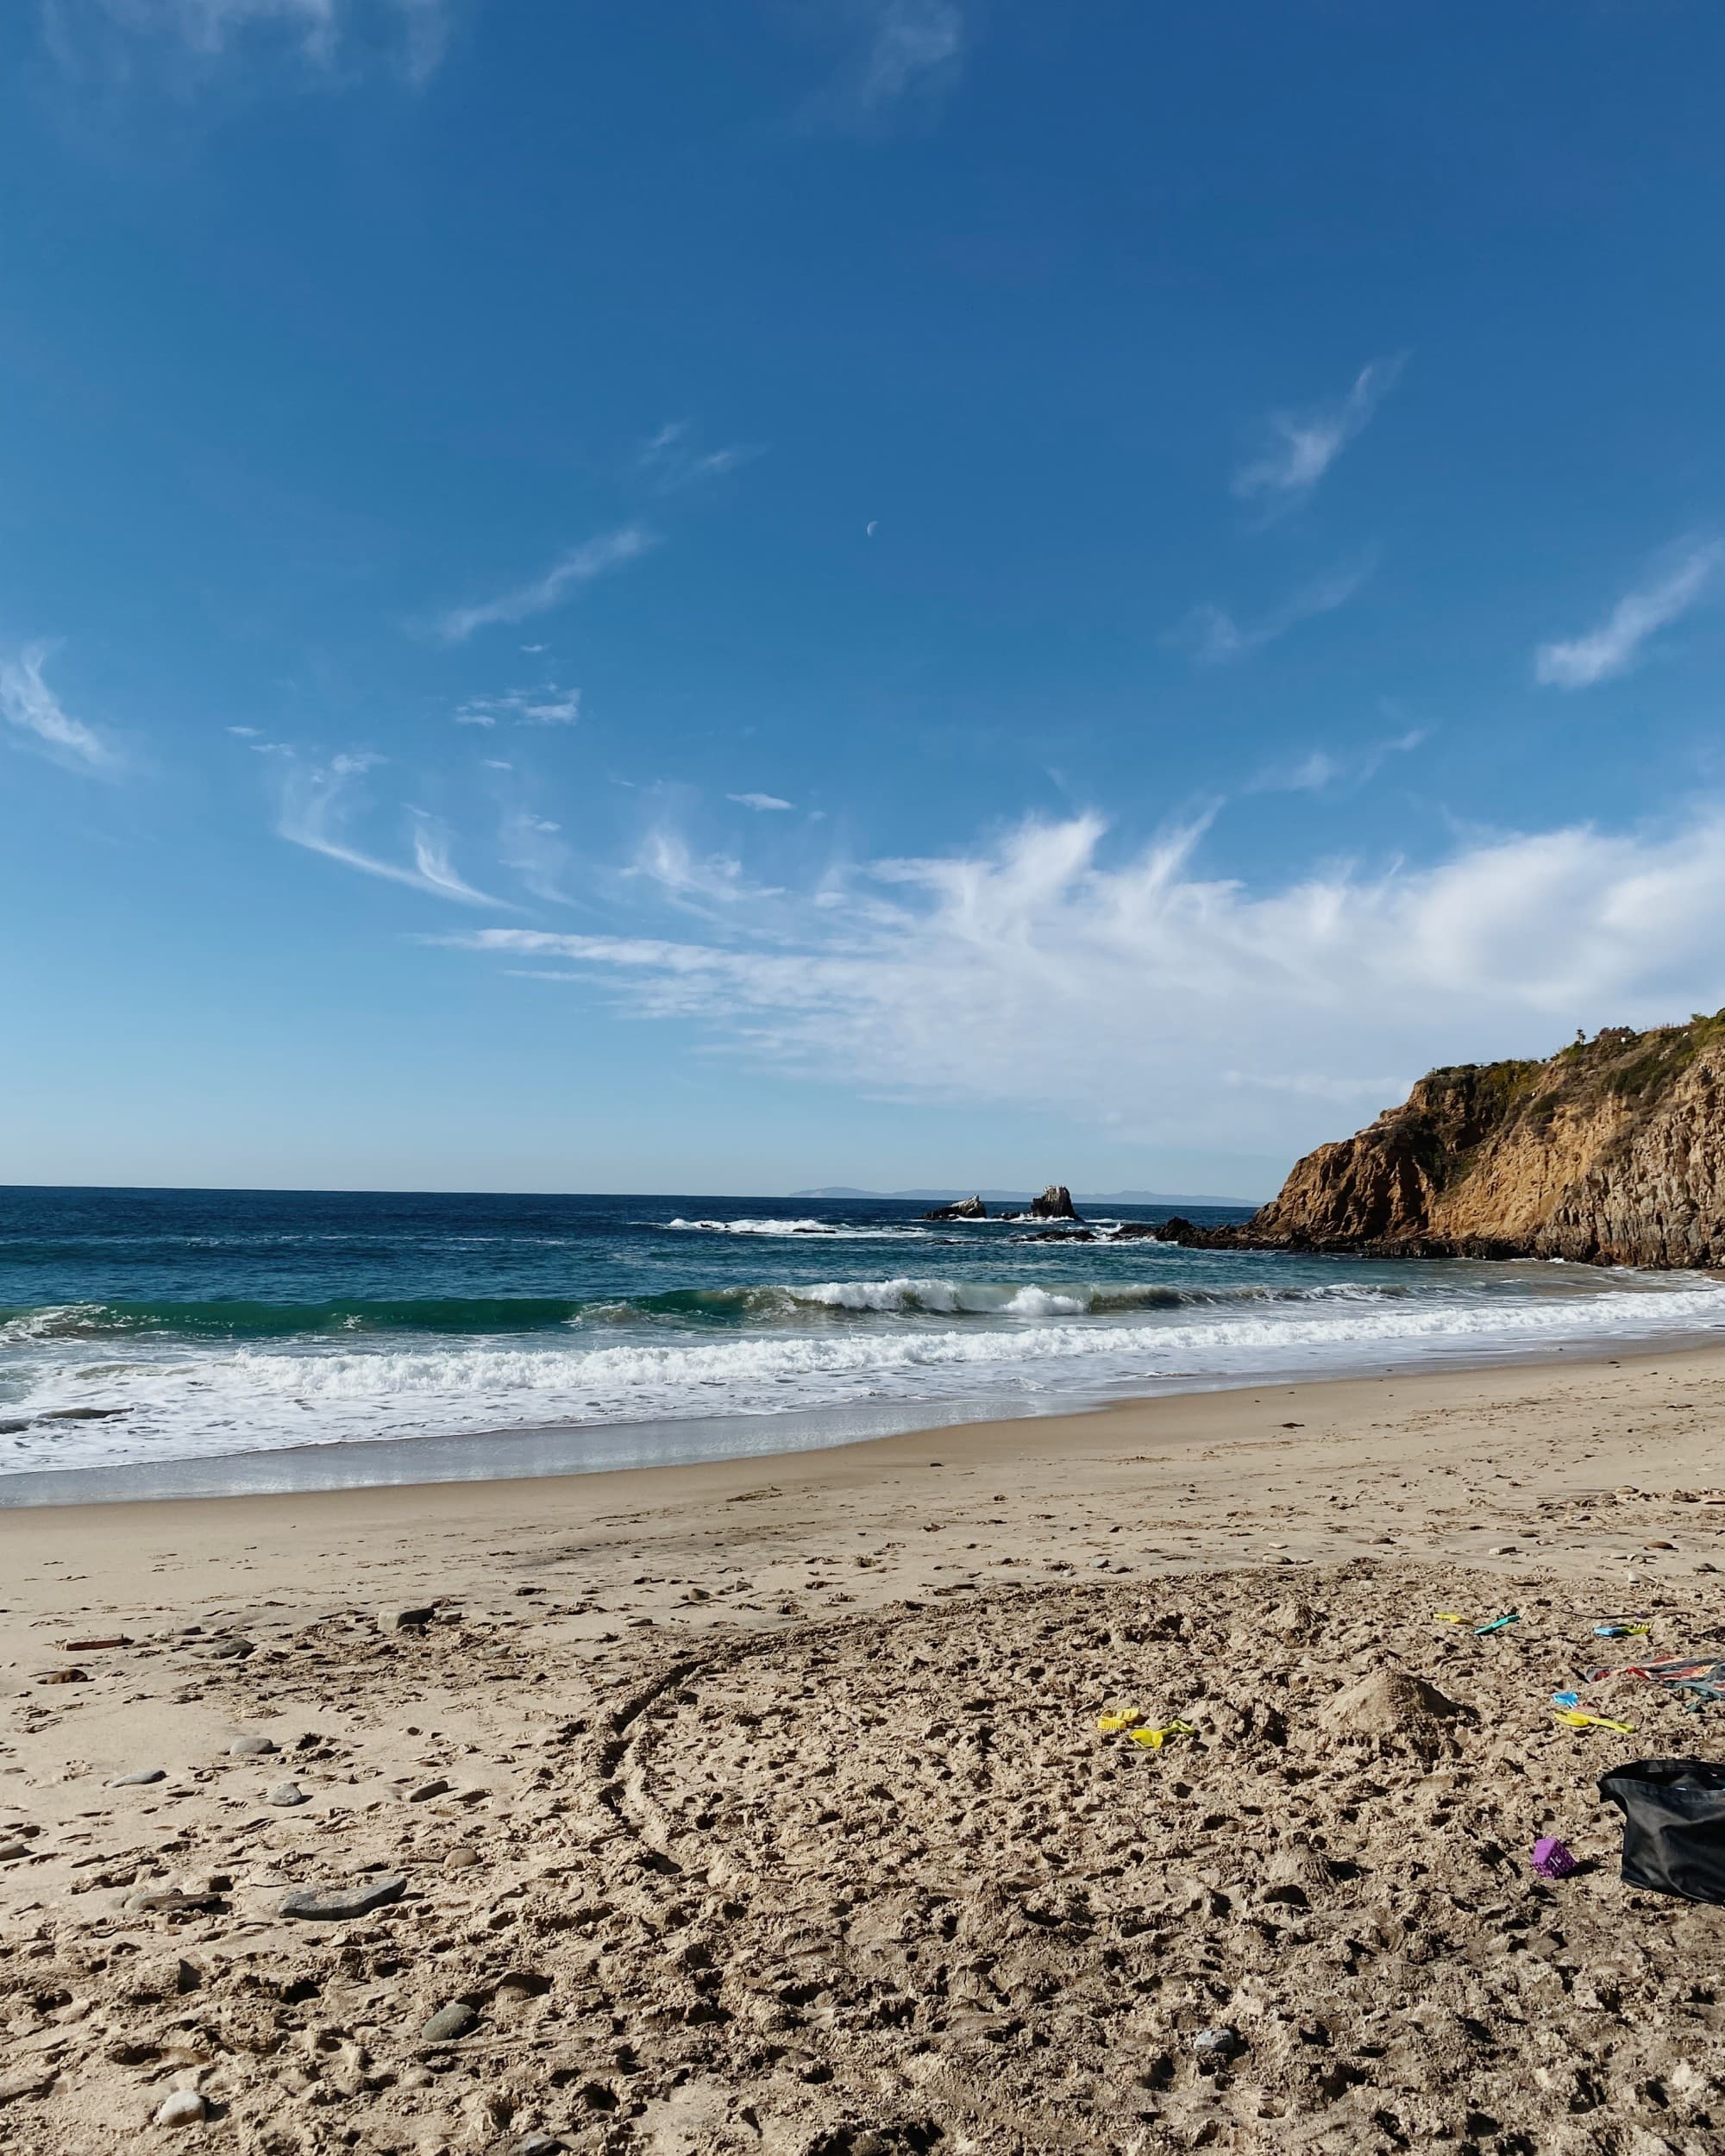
[[870, 530]]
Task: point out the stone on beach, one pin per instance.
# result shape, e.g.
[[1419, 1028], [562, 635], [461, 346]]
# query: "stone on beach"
[[448, 2022], [344, 1899], [286, 1793], [250, 1747], [406, 1617], [184, 2108], [141, 1778]]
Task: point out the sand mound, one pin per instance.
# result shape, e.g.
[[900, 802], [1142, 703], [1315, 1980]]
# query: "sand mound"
[[1391, 1703]]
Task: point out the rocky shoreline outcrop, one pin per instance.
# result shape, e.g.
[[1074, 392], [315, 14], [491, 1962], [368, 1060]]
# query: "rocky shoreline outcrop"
[[1611, 1152]]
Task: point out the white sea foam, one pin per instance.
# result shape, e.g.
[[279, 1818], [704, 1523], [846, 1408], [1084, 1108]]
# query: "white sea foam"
[[1041, 1346], [837, 1230]]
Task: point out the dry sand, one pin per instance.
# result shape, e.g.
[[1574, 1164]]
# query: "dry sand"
[[762, 1806]]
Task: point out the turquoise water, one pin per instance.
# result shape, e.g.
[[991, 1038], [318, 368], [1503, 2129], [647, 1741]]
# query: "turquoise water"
[[149, 1326]]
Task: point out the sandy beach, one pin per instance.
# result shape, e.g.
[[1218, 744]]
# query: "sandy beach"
[[762, 1805]]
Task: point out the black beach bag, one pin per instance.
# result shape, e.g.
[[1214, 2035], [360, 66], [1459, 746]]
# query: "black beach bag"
[[1674, 1825]]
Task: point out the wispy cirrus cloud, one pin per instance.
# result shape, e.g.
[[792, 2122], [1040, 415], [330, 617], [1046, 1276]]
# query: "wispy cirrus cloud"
[[673, 460], [911, 46], [565, 576], [31, 708], [900, 53], [1325, 771], [335, 38], [1614, 646], [318, 804], [1171, 1004], [549, 706], [1304, 445], [1216, 637], [764, 803]]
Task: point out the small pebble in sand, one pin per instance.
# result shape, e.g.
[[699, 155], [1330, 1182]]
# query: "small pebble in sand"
[[184, 2108], [1501, 1550], [287, 1793], [406, 1617], [11, 1851], [1218, 2043], [427, 1791], [229, 1651], [535, 2145], [250, 1747], [448, 2022], [141, 1778], [462, 1859]]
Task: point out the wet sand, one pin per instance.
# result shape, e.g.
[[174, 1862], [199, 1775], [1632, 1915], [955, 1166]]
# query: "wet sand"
[[762, 1804]]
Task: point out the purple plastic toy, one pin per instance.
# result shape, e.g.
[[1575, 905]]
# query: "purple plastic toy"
[[1552, 1859]]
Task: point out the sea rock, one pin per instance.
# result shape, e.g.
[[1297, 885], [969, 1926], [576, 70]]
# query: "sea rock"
[[1610, 1152], [184, 2108], [1055, 1204], [961, 1209], [141, 1779], [1390, 1703], [343, 1899], [448, 2022]]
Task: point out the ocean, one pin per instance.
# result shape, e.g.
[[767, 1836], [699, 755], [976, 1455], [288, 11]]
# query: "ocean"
[[229, 1331]]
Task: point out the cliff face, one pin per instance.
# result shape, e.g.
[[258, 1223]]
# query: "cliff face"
[[1612, 1152]]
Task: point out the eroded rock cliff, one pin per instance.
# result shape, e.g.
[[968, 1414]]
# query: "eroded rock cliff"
[[1610, 1152]]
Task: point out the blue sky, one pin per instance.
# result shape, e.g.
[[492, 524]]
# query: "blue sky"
[[712, 596]]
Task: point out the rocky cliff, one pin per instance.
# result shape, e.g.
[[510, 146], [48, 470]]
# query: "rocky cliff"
[[1610, 1152]]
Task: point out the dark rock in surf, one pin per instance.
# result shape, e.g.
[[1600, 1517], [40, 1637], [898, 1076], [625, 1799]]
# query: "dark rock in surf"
[[1055, 1204], [963, 1209]]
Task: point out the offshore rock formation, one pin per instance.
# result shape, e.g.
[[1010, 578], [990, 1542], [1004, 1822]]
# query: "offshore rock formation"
[[1610, 1152], [1055, 1204]]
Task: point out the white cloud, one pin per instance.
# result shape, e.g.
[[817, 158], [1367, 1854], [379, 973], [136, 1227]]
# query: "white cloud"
[[29, 704], [333, 38], [762, 802], [1180, 1006], [317, 806], [1321, 771], [695, 881], [566, 576], [1216, 637], [245, 733], [1613, 646], [1304, 445], [674, 462], [550, 706], [533, 848], [909, 45]]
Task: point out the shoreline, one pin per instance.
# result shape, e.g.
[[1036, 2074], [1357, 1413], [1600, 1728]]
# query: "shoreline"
[[681, 1443]]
